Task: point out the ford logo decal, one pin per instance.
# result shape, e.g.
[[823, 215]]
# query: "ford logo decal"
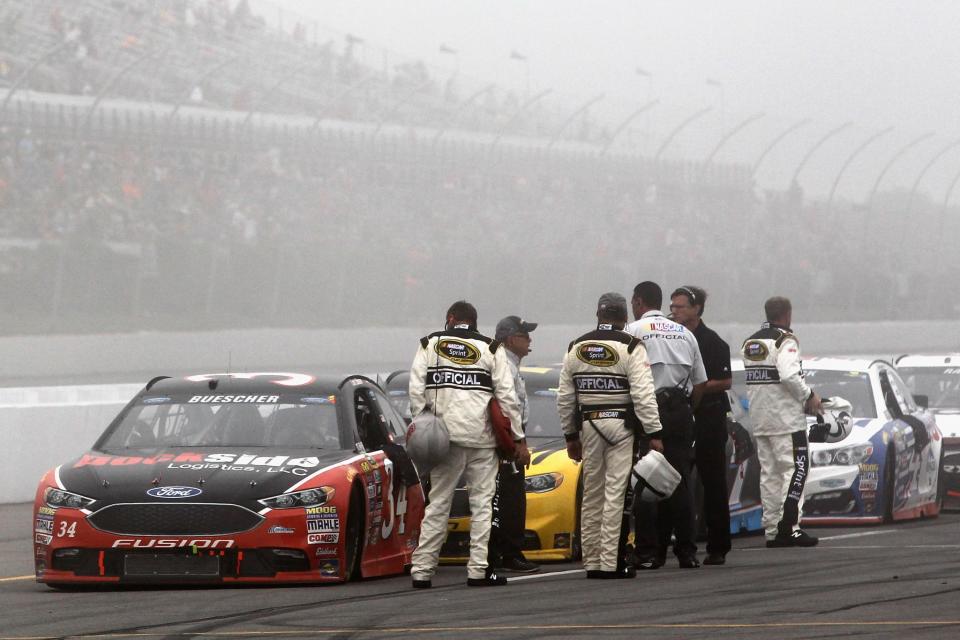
[[174, 492]]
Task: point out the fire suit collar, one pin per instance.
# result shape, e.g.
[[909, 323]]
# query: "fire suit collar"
[[651, 313], [769, 325], [604, 327]]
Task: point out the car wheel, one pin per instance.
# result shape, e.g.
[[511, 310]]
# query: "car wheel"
[[888, 486], [353, 532], [576, 549]]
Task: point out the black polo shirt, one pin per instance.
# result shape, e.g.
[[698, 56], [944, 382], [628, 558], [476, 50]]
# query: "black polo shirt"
[[716, 360]]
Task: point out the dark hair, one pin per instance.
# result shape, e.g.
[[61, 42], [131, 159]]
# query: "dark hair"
[[613, 315], [650, 293], [695, 295], [776, 308], [463, 312]]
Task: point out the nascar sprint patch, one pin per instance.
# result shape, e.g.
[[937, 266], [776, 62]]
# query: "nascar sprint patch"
[[599, 355], [756, 351], [458, 351]]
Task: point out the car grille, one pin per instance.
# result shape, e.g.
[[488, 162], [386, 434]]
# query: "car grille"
[[188, 519]]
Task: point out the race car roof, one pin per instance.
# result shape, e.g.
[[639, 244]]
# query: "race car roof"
[[249, 383], [928, 360]]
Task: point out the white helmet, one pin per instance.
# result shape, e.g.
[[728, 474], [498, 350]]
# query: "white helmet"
[[428, 441], [653, 478], [834, 424]]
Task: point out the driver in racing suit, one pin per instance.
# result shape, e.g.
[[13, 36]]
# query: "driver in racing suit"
[[778, 399], [605, 386]]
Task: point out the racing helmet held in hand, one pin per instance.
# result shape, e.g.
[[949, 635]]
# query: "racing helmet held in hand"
[[653, 478], [428, 441], [835, 422]]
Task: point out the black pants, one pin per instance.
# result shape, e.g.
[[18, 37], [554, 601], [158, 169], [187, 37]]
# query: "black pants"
[[655, 522], [712, 462], [509, 516]]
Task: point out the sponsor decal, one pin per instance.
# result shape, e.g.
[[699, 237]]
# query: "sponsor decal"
[[316, 538], [323, 525], [174, 492], [755, 351], [199, 461], [872, 467], [156, 400], [43, 526], [173, 543], [328, 509], [666, 327], [868, 495], [366, 466], [376, 476], [326, 551], [600, 383], [278, 529], [42, 538], [328, 538], [319, 400], [47, 511], [457, 351], [372, 491], [226, 399], [330, 568], [41, 552], [870, 485], [599, 355]]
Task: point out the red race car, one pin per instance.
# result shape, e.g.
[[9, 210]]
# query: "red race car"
[[235, 478]]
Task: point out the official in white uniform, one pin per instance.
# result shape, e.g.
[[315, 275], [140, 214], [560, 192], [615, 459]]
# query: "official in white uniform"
[[779, 397], [455, 373], [605, 390], [679, 377]]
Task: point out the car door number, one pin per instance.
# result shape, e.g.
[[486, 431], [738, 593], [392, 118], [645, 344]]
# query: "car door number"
[[397, 507], [67, 529]]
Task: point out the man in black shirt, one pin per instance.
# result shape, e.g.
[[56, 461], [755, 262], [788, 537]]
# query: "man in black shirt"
[[686, 305]]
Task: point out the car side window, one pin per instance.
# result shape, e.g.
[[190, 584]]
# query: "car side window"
[[889, 396], [903, 394], [372, 425], [395, 423]]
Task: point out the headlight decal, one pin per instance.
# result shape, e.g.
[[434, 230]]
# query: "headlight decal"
[[543, 482], [843, 456], [305, 498]]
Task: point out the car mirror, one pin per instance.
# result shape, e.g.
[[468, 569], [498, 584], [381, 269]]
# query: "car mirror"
[[922, 400]]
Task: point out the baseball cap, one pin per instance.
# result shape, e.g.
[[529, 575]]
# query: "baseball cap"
[[511, 326], [612, 301]]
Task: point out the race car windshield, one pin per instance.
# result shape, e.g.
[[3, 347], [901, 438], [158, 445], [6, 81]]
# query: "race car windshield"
[[543, 422], [852, 386], [941, 385], [220, 420]]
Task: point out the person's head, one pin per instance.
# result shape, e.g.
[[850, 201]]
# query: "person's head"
[[686, 304], [462, 312], [779, 311], [514, 333], [612, 309], [647, 296]]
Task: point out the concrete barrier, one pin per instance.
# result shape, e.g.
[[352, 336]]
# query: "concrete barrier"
[[46, 426]]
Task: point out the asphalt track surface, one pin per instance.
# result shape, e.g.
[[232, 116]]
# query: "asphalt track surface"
[[888, 581]]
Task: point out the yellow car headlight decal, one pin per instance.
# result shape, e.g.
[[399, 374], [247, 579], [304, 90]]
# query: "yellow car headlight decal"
[[543, 482]]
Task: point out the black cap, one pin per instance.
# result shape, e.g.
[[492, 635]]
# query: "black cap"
[[612, 302], [511, 326]]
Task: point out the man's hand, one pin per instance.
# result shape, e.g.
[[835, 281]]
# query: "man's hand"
[[522, 454], [814, 405], [575, 450], [656, 444]]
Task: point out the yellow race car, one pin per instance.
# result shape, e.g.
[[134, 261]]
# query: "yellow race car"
[[553, 479]]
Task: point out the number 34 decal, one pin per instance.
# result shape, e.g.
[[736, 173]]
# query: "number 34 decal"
[[67, 529], [398, 507]]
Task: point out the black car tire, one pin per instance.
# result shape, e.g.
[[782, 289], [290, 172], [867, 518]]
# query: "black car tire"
[[354, 535], [576, 548]]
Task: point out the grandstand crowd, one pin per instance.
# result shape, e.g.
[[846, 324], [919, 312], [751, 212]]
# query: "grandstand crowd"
[[127, 231]]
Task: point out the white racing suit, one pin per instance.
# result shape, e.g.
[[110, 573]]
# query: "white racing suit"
[[777, 393], [605, 385], [456, 372]]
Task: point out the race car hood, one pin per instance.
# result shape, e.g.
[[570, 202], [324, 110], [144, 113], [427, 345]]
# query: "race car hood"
[[949, 422], [225, 475]]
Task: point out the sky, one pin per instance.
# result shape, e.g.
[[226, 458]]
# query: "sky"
[[873, 63]]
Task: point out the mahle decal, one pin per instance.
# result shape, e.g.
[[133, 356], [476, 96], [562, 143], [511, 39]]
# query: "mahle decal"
[[599, 355], [458, 351]]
